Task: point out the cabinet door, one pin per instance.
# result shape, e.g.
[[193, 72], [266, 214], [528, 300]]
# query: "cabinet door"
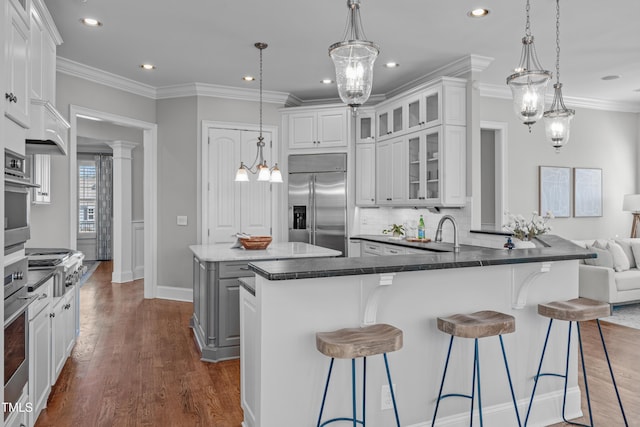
[[229, 310], [397, 118], [399, 176], [371, 249], [249, 357], [434, 149], [416, 167], [41, 175], [17, 89], [303, 130], [454, 181], [365, 174], [39, 362], [383, 124], [432, 100], [58, 347], [415, 112], [454, 101], [69, 320], [332, 128], [255, 197], [365, 128], [393, 250], [383, 173]]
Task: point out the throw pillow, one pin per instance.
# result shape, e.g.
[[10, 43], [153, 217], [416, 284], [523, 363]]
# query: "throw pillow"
[[620, 260], [604, 257], [625, 244], [635, 248], [600, 244]]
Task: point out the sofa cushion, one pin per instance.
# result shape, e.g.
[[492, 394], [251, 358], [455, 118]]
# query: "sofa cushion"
[[625, 244], [604, 258], [628, 280], [635, 248], [620, 260]]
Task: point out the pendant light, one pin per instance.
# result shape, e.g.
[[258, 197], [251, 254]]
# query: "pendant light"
[[353, 58], [557, 121], [264, 172], [529, 82]]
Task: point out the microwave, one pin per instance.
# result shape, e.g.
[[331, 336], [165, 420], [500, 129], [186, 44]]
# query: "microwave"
[[17, 199]]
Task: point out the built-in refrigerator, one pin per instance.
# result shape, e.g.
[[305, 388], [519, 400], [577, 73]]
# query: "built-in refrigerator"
[[318, 200]]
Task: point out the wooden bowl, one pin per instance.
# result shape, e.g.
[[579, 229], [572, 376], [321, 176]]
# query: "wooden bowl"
[[255, 242]]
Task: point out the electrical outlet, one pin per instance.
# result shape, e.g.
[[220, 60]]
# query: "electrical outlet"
[[365, 220], [385, 397]]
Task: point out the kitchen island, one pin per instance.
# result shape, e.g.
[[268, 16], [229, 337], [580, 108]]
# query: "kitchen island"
[[283, 374], [216, 270]]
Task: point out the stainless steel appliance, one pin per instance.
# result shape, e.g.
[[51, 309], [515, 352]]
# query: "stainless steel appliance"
[[318, 200], [66, 262], [16, 200], [16, 331]]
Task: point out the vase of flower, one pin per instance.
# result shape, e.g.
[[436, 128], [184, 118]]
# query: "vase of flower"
[[524, 230]]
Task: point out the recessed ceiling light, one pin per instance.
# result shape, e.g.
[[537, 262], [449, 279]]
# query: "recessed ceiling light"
[[611, 77], [326, 81], [392, 65], [148, 66], [478, 13], [248, 78], [91, 22]]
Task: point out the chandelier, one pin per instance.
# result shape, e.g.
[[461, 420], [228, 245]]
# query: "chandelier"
[[529, 81], [259, 165], [353, 58], [557, 120]]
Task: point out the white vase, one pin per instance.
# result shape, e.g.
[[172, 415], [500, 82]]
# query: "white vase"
[[523, 244]]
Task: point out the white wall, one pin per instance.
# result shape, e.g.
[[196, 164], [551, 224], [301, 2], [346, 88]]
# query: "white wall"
[[599, 139]]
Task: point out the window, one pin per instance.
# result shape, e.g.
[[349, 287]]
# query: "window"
[[86, 196]]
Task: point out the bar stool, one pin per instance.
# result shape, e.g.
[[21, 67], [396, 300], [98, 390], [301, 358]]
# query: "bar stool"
[[576, 310], [355, 343], [476, 325]]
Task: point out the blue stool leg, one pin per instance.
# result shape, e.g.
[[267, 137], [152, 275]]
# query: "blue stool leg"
[[615, 386], [364, 389], [444, 374], [535, 382], [566, 374], [513, 394], [324, 396], [477, 367], [393, 395], [473, 383], [353, 389]]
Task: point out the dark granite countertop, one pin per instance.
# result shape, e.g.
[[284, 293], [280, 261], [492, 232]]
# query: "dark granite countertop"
[[493, 231], [248, 283], [430, 246], [37, 278], [555, 249]]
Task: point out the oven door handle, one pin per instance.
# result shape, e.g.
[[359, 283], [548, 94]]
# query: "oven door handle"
[[20, 310]]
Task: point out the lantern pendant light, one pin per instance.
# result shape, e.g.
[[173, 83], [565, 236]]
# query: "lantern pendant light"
[[353, 58], [529, 81], [264, 172], [557, 121]]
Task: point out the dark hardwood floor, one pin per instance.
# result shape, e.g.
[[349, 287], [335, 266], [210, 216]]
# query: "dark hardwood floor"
[[136, 364]]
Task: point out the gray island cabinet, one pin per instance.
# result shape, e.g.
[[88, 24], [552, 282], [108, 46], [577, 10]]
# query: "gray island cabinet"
[[216, 298]]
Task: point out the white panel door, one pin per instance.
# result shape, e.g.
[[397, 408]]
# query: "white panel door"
[[255, 197], [223, 195]]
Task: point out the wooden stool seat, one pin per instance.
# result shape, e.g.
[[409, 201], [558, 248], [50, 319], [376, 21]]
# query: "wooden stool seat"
[[352, 343], [575, 310], [477, 325]]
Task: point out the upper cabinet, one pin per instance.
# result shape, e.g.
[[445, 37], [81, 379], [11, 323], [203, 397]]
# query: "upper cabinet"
[[391, 121], [365, 126], [317, 128], [17, 55]]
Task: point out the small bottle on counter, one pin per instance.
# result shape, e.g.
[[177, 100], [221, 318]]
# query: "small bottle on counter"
[[421, 228]]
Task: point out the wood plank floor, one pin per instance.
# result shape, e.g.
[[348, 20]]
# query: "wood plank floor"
[[136, 364]]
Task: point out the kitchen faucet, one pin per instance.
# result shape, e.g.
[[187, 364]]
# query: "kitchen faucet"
[[438, 238]]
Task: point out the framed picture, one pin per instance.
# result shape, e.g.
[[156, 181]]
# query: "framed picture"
[[587, 192], [554, 187]]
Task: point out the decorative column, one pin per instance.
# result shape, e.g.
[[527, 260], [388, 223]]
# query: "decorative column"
[[122, 212]]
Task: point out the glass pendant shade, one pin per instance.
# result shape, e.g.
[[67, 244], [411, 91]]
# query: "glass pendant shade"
[[241, 174], [354, 61], [263, 172], [528, 85], [276, 175]]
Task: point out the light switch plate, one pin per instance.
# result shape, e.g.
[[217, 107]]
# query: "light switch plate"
[[182, 220]]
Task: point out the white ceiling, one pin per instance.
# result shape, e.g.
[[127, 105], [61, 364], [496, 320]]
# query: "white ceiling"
[[211, 42]]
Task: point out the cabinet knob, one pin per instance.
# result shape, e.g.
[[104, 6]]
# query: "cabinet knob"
[[389, 199], [43, 296], [11, 97], [373, 200], [52, 315], [389, 133]]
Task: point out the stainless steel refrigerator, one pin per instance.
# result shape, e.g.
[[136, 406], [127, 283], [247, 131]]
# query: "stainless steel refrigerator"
[[318, 200]]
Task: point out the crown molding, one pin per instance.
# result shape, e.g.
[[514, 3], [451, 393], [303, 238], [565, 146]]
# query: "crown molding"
[[219, 91], [503, 92], [96, 75], [47, 20]]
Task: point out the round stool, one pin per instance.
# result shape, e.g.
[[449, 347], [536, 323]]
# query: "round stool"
[[476, 325], [576, 310], [355, 343]]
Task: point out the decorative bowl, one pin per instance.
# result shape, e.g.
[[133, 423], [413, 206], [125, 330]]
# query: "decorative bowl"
[[255, 242]]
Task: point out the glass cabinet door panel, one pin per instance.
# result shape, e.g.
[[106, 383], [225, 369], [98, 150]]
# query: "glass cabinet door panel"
[[433, 162], [432, 107], [414, 114], [415, 187], [365, 128], [383, 127], [397, 119]]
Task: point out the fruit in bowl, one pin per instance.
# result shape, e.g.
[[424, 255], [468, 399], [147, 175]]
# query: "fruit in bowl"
[[255, 242]]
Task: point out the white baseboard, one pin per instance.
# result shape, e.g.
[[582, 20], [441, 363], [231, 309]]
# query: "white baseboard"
[[547, 410], [138, 273], [174, 293], [122, 277]]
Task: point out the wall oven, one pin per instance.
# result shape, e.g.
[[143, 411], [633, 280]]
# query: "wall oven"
[[16, 330], [16, 199]]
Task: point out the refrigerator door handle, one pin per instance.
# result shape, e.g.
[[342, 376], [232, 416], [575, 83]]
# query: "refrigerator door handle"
[[312, 211]]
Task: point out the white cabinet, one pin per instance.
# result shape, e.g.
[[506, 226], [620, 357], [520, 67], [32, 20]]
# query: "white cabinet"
[[43, 58], [41, 175], [69, 320], [391, 172], [18, 417], [249, 358], [40, 351], [317, 128], [58, 338], [366, 174], [235, 207], [365, 126], [390, 121], [371, 248], [17, 56]]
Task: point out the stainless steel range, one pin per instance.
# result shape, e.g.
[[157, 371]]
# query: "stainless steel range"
[[67, 263]]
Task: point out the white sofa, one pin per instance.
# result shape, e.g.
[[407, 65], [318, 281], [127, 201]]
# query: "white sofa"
[[605, 283]]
